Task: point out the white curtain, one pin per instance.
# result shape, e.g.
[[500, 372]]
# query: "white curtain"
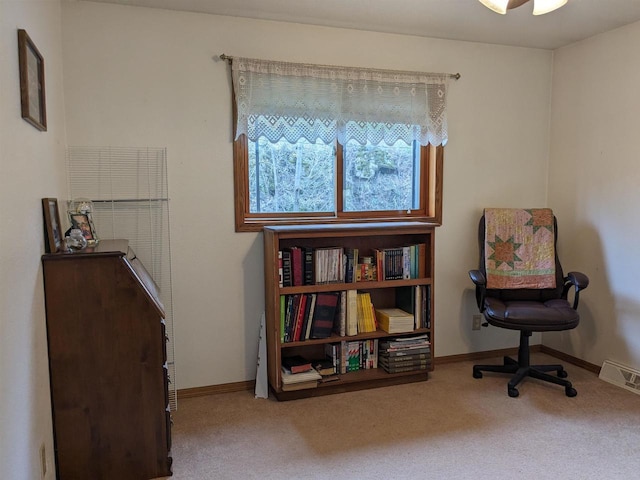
[[293, 101]]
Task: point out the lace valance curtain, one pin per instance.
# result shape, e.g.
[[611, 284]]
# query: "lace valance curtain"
[[293, 101]]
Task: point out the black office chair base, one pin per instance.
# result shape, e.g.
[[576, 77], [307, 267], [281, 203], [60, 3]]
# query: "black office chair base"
[[522, 369]]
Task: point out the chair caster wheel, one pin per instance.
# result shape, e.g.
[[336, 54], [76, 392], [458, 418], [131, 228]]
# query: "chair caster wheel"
[[562, 374], [477, 373], [513, 392], [570, 391]]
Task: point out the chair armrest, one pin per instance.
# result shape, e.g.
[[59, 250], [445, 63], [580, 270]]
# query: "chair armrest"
[[478, 278], [580, 281]]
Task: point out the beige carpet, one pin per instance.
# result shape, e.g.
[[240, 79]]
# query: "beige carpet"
[[450, 427]]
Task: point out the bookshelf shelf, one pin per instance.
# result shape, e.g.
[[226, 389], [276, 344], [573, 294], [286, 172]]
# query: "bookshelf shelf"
[[331, 287], [367, 240], [361, 336]]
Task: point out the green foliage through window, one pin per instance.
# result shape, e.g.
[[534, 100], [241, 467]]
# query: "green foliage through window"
[[301, 177]]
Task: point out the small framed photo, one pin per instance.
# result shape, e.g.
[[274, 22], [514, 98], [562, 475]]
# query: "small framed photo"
[[52, 227], [84, 223], [32, 96]]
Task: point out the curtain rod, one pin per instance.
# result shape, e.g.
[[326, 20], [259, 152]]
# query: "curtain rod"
[[229, 60]]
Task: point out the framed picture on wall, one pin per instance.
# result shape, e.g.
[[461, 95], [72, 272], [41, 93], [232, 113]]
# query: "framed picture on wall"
[[52, 227], [84, 223], [32, 96]]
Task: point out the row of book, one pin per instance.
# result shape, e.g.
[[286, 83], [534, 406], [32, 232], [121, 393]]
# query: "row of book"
[[417, 301], [405, 354], [394, 355], [314, 266], [353, 355], [305, 316], [399, 263]]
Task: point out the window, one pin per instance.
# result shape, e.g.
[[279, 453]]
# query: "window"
[[327, 144]]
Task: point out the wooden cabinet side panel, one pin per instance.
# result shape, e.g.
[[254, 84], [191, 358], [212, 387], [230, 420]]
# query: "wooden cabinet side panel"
[[272, 307], [106, 365]]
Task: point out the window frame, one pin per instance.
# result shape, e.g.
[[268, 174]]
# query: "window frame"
[[430, 211]]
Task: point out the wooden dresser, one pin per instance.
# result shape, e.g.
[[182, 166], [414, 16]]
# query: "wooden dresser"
[[107, 364]]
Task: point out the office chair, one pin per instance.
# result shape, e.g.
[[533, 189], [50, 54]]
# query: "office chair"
[[520, 286]]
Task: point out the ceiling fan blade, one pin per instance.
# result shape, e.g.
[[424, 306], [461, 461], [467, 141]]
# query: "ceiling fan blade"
[[515, 3]]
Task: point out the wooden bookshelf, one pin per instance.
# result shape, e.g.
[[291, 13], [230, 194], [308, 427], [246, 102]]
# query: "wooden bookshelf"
[[366, 238]]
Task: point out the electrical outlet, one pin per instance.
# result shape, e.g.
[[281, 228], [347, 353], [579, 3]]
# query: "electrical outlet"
[[476, 322], [43, 460]]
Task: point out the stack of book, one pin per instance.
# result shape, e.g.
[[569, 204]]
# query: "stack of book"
[[326, 369], [298, 374], [395, 320], [405, 354]]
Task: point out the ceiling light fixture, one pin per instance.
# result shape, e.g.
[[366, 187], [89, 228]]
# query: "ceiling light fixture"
[[540, 7]]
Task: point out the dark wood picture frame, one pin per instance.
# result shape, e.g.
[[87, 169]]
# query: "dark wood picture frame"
[[52, 226], [32, 97]]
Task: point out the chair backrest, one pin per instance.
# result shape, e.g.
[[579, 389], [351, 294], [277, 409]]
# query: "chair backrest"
[[523, 293]]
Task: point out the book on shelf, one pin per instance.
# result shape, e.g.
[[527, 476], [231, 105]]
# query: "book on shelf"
[[409, 368], [289, 387], [406, 343], [283, 304], [309, 276], [280, 272], [404, 367], [416, 299], [340, 320], [352, 313], [287, 278], [354, 355], [372, 353], [366, 317], [421, 338], [326, 306], [328, 265], [296, 364], [286, 325], [329, 378], [408, 299], [409, 359], [402, 262], [297, 265], [299, 317], [333, 351], [311, 301], [395, 320], [325, 366], [351, 262], [296, 381], [406, 351], [366, 272]]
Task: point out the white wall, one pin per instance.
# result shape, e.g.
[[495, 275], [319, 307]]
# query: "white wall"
[[595, 189], [137, 77], [32, 166]]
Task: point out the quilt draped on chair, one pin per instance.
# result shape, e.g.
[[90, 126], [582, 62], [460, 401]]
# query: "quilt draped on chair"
[[519, 248]]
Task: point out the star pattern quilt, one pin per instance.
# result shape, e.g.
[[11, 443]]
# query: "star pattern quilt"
[[519, 248]]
